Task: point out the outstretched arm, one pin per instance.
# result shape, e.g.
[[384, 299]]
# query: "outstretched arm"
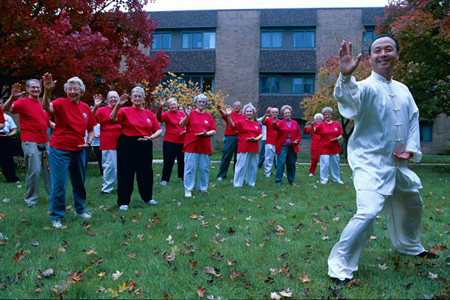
[[16, 93], [123, 99], [49, 85]]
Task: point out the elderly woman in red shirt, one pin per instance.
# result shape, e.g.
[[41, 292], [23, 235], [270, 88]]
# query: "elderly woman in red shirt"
[[249, 134], [173, 138], [135, 148], [315, 139], [330, 133], [288, 138]]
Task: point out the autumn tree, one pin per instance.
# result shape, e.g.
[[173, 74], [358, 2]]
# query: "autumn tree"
[[184, 91], [422, 28], [99, 41], [323, 97]]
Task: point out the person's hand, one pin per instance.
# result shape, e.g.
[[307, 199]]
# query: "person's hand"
[[346, 62], [228, 110], [405, 155], [204, 133], [16, 91], [334, 140], [98, 99], [186, 110], [3, 135], [252, 139], [145, 138], [183, 132], [124, 99], [296, 142], [47, 81], [218, 106], [85, 145], [161, 101]]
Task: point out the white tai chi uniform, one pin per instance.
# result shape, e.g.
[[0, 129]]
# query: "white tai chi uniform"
[[386, 120]]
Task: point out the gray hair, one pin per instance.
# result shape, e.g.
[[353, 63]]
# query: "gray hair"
[[29, 81], [75, 80], [172, 100], [327, 110], [274, 108], [318, 115], [200, 97], [110, 93], [286, 107], [249, 105], [138, 89]]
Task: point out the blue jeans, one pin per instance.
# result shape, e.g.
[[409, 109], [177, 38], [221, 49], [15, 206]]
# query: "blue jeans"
[[230, 143], [61, 162], [288, 158], [262, 154]]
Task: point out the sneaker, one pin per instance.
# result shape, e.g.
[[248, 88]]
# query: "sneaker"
[[84, 215], [188, 194], [219, 178], [311, 174], [123, 207], [151, 202], [340, 182], [163, 182], [57, 224], [323, 182]]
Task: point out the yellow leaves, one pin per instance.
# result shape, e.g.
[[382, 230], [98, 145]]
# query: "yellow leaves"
[[304, 278], [102, 274], [193, 216]]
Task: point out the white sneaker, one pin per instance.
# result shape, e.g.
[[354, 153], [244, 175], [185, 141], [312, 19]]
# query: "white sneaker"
[[151, 202], [219, 178], [84, 215], [340, 182], [311, 174], [163, 182], [123, 207], [188, 194], [57, 224], [323, 182]]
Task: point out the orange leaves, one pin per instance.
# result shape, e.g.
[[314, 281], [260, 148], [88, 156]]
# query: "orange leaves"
[[75, 277], [304, 278], [201, 292], [19, 256]]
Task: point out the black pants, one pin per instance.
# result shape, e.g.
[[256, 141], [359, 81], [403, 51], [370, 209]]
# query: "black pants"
[[6, 159], [170, 152], [134, 157]]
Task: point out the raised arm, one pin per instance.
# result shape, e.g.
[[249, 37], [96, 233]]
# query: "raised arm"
[[16, 93], [49, 85], [98, 100], [221, 111], [228, 114], [123, 99], [347, 64], [187, 111]]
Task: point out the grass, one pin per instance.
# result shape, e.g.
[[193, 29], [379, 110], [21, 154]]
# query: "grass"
[[255, 240]]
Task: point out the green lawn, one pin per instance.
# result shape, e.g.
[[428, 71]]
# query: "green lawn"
[[234, 243]]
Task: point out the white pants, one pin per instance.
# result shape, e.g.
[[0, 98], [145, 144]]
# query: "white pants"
[[269, 159], [246, 167], [403, 211], [109, 164], [191, 161], [331, 162]]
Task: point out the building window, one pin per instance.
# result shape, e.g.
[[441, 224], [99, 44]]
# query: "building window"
[[271, 39], [269, 85], [198, 40], [426, 131], [162, 41], [368, 35], [304, 39], [303, 85], [205, 82]]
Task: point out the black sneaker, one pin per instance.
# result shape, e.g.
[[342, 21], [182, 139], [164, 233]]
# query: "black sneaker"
[[340, 282], [427, 255]]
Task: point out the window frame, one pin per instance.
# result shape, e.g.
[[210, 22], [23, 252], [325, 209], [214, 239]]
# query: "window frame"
[[191, 37], [303, 31], [303, 77], [271, 77], [271, 32], [161, 35]]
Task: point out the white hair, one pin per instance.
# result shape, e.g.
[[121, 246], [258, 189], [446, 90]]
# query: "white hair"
[[110, 93], [200, 97], [249, 105], [318, 115], [138, 89], [327, 110], [172, 100], [75, 80]]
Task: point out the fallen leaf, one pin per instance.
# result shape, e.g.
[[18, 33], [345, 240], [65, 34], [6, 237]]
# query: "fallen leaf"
[[326, 238], [193, 216], [192, 264], [116, 275], [102, 274], [383, 267], [132, 255], [235, 274], [305, 278], [212, 271], [19, 256], [171, 257], [75, 277], [35, 244], [90, 252], [279, 230], [230, 262], [201, 292], [90, 233], [47, 273], [433, 276]]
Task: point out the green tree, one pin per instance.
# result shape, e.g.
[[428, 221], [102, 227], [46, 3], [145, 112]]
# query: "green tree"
[[422, 30]]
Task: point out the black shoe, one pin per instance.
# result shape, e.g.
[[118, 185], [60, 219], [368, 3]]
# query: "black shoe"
[[340, 282], [427, 255]]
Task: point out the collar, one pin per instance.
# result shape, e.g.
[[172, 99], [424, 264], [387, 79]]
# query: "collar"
[[378, 77]]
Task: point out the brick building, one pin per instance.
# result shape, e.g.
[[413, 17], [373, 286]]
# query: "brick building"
[[269, 57]]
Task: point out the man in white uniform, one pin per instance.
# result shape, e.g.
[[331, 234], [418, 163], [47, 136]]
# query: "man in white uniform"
[[385, 137]]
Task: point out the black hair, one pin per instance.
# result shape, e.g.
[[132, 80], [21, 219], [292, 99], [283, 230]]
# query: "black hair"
[[382, 36]]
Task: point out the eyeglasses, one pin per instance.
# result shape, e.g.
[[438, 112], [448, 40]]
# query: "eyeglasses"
[[73, 89]]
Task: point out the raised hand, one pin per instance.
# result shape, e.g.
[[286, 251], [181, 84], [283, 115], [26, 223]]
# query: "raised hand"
[[124, 99], [228, 110], [347, 63], [16, 91], [98, 99], [161, 101], [47, 81], [186, 110]]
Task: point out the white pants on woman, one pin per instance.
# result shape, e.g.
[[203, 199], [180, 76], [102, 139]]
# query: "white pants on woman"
[[403, 211], [246, 168], [331, 162], [109, 164], [269, 159], [191, 161]]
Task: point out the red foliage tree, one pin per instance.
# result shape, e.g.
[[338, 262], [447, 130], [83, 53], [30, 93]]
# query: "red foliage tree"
[[95, 40]]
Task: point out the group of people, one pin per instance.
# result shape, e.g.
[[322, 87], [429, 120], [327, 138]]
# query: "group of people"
[[385, 137]]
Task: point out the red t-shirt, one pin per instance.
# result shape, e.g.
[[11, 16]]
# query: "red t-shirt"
[[236, 118], [109, 131], [172, 120], [315, 138], [271, 133], [247, 129], [2, 117], [137, 122], [197, 123], [71, 122], [32, 120], [328, 132]]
